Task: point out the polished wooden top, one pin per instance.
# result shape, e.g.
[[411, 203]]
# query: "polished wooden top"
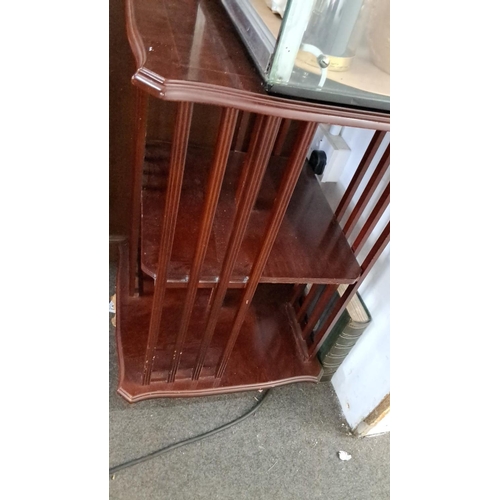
[[189, 51]]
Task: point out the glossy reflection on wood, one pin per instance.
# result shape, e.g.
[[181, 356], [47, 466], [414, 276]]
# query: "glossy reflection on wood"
[[179, 149], [231, 237], [280, 205], [264, 355], [178, 61], [226, 131], [321, 253], [259, 157], [313, 332]]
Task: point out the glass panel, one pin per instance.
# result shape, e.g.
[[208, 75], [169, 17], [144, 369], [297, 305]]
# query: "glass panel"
[[343, 54], [326, 50]]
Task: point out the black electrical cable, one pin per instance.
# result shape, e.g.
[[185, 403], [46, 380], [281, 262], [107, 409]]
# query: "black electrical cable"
[[194, 439]]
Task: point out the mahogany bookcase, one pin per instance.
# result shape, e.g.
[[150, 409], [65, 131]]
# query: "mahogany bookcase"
[[212, 292]]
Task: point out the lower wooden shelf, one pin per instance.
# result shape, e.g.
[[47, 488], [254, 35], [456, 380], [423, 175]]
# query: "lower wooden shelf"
[[266, 354]]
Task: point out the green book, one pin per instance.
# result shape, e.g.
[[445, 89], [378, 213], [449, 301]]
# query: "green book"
[[342, 336]]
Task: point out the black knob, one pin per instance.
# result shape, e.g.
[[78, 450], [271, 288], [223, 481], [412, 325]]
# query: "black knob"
[[317, 161]]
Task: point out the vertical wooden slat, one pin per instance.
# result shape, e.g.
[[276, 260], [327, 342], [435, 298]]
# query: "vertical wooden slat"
[[370, 188], [178, 158], [141, 115], [280, 140], [240, 137], [294, 167], [307, 302], [239, 122], [259, 155], [372, 221], [219, 162], [318, 310], [298, 291], [254, 149], [370, 153], [341, 304]]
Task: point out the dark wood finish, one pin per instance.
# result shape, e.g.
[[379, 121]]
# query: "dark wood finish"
[[368, 192], [297, 333], [173, 195], [318, 310], [298, 291], [122, 117], [321, 253], [282, 134], [365, 162], [280, 205], [372, 221], [249, 159], [226, 131], [178, 61], [230, 238], [327, 295], [264, 355], [259, 155], [244, 126], [341, 304], [308, 299], [140, 143]]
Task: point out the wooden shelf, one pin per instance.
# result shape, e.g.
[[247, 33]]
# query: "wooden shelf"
[[266, 353], [310, 247], [235, 326]]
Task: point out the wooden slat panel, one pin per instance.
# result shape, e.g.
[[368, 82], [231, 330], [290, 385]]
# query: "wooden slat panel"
[[280, 140], [258, 158], [179, 149], [264, 356], [285, 192], [298, 291], [372, 221], [321, 252], [341, 304], [244, 124], [223, 144], [319, 308], [370, 153], [253, 152], [370, 188], [307, 302]]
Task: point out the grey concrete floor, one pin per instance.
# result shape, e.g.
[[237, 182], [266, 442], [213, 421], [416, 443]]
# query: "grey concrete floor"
[[287, 450]]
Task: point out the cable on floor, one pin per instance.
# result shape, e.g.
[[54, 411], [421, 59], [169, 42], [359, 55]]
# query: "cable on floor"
[[194, 439]]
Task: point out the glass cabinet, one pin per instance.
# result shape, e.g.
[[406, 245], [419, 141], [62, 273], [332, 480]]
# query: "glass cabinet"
[[334, 51]]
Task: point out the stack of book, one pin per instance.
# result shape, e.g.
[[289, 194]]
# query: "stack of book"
[[343, 334]]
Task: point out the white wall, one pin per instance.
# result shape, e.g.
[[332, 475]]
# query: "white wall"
[[363, 379]]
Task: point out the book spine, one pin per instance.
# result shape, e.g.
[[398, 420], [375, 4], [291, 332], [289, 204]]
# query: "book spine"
[[341, 348]]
